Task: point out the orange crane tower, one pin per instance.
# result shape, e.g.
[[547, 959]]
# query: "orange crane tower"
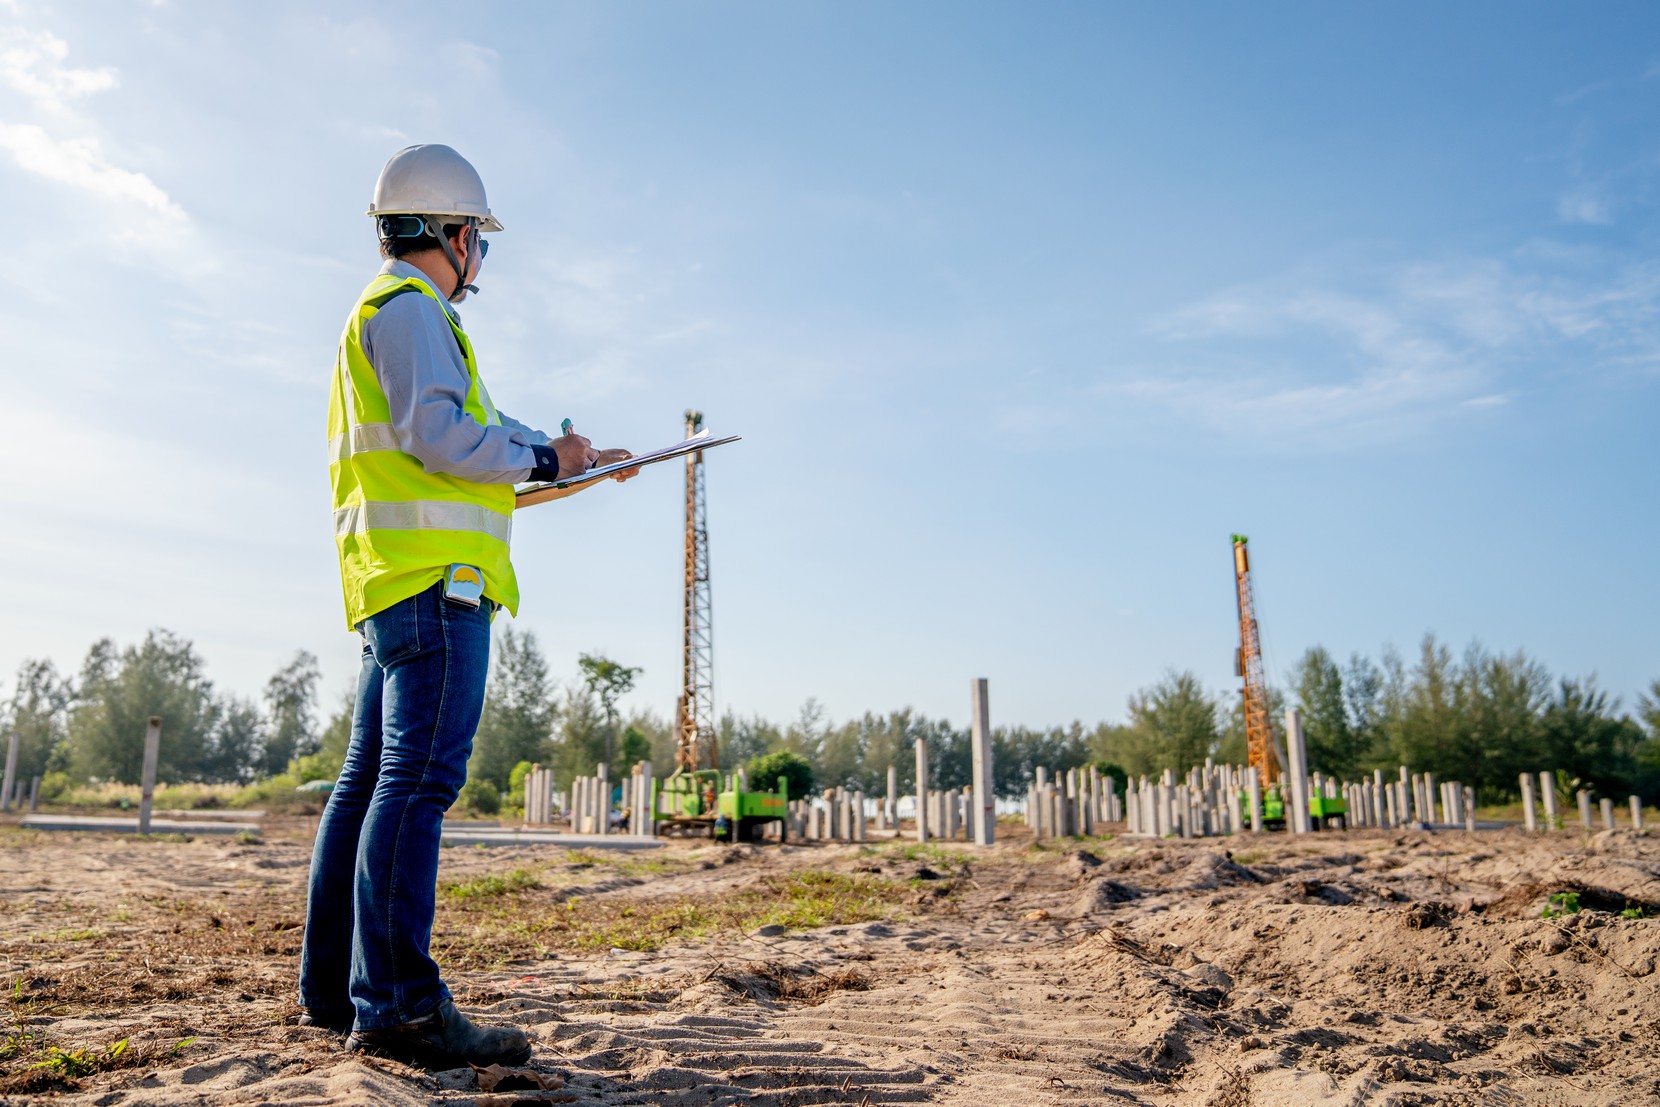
[[695, 713], [1259, 727]]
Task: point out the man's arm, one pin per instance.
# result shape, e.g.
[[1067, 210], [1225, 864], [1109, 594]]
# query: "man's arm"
[[530, 436], [421, 370]]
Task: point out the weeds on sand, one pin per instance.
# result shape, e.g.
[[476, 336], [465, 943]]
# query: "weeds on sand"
[[1561, 903], [919, 851], [29, 1062], [490, 886], [534, 922]]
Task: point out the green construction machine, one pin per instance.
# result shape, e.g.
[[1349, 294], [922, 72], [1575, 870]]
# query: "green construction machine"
[[709, 803], [1323, 811]]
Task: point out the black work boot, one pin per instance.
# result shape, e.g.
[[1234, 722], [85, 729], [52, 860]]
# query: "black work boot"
[[444, 1039], [334, 1024]]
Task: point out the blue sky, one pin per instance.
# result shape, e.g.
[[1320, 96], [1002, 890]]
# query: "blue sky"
[[1022, 310]]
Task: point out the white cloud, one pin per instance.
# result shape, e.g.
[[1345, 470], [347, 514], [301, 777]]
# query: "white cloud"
[[62, 145], [32, 62], [1393, 349], [80, 163], [1585, 205]]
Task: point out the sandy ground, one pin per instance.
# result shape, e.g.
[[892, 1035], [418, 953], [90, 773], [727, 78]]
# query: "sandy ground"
[[1360, 967]]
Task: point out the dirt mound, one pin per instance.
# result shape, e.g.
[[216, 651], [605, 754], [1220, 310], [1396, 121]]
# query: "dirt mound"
[[1102, 894], [1215, 869], [799, 983], [1531, 899]]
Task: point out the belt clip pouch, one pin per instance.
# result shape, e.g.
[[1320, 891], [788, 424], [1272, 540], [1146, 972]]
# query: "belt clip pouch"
[[464, 585]]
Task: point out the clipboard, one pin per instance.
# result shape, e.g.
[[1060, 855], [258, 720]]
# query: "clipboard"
[[540, 493]]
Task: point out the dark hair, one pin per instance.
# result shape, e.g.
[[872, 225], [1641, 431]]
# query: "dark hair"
[[398, 237]]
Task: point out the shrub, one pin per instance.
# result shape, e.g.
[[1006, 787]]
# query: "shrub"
[[763, 773], [516, 779], [480, 797]]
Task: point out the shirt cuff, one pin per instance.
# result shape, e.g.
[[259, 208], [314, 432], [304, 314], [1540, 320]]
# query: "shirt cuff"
[[547, 463]]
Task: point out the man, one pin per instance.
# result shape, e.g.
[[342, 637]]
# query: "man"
[[422, 467]]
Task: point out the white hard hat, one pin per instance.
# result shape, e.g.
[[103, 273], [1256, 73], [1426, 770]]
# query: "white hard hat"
[[432, 180]]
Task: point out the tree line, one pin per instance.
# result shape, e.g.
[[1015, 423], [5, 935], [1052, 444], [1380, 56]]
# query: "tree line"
[[1478, 717]]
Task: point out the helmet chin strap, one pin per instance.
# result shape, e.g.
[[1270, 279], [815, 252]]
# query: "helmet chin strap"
[[461, 285]]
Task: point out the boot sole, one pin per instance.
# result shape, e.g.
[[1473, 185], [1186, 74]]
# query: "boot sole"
[[429, 1058]]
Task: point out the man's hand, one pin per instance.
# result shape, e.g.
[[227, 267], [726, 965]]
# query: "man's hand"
[[576, 454], [611, 457]]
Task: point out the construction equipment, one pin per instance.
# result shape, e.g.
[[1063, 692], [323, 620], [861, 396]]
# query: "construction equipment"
[[699, 798], [1259, 727], [707, 802], [695, 747], [1262, 753]]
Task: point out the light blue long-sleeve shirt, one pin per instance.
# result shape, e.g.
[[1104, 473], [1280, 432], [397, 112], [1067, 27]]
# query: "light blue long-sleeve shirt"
[[422, 372]]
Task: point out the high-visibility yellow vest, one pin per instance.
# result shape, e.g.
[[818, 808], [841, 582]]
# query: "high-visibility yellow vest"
[[398, 527]]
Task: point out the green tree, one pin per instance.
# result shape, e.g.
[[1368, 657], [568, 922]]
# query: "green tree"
[[763, 773], [579, 738], [1422, 730], [291, 707], [1318, 686], [1364, 688], [636, 747], [804, 736], [610, 681], [1018, 752], [119, 690], [1117, 744], [1178, 718], [1495, 731], [239, 741], [1582, 735], [332, 743], [519, 710], [38, 711], [1647, 756], [741, 740]]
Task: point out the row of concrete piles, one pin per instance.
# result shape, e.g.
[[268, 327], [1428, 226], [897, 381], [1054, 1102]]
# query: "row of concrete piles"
[[844, 816], [11, 785], [839, 818], [1076, 803], [1553, 818], [588, 804]]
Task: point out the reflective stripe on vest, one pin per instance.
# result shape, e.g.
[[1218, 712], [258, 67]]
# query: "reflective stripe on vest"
[[423, 515], [361, 439]]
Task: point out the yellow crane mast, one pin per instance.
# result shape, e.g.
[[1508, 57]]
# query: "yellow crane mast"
[[1259, 727], [695, 714]]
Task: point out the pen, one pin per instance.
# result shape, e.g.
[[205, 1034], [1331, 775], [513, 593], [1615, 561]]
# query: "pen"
[[565, 426]]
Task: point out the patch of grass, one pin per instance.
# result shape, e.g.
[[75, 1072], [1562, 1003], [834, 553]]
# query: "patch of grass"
[[70, 934], [541, 923], [1250, 856], [919, 851], [491, 886], [1561, 903]]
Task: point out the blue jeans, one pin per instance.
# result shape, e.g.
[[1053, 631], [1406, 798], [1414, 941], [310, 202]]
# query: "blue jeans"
[[374, 869]]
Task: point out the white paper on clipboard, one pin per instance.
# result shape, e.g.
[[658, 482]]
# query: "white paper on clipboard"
[[541, 493]]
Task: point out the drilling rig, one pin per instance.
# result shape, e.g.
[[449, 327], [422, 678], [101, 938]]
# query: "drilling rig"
[[699, 798], [695, 715], [1259, 726]]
